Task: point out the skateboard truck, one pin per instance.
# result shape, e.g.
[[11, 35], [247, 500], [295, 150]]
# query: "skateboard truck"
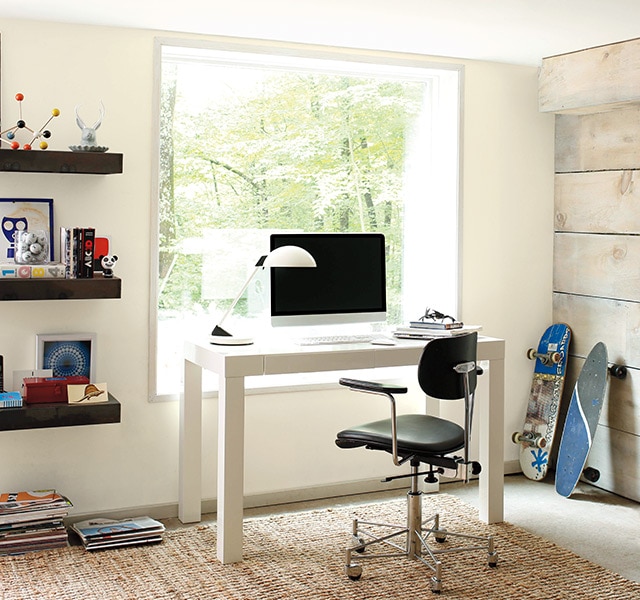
[[547, 358], [529, 438]]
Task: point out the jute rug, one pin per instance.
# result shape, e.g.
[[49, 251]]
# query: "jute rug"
[[299, 556]]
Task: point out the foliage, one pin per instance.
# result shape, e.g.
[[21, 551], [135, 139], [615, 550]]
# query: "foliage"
[[306, 151]]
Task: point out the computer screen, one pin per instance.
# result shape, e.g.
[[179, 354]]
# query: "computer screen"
[[347, 286]]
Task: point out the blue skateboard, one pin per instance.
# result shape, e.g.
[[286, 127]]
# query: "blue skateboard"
[[581, 421]]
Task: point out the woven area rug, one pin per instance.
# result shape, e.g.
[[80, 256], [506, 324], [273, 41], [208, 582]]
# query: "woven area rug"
[[300, 556]]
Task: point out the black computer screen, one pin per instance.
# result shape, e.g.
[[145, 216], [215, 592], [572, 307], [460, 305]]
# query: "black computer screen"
[[348, 284]]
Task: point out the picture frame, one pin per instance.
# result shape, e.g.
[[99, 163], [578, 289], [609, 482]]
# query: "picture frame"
[[67, 354], [19, 214]]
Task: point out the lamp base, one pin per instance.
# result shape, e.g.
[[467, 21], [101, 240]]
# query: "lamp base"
[[221, 337], [229, 340]]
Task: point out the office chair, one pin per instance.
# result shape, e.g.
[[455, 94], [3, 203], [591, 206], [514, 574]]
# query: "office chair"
[[447, 370]]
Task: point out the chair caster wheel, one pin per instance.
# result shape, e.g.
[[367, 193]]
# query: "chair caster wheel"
[[354, 572], [493, 560], [441, 536], [436, 585]]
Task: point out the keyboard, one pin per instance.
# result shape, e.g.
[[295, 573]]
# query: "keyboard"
[[359, 338]]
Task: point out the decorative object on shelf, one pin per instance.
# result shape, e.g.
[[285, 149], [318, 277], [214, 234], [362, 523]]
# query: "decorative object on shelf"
[[91, 393], [89, 138], [107, 263], [67, 354], [23, 214], [284, 256], [31, 247], [42, 134]]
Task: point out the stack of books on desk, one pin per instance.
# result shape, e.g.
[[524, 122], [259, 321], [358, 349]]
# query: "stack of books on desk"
[[32, 521], [98, 534], [428, 330]]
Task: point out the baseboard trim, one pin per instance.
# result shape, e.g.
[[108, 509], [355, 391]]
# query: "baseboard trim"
[[170, 510]]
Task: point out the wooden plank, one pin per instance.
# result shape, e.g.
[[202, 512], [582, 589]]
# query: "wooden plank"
[[61, 414], [598, 202], [60, 289], [621, 407], [597, 265], [598, 78], [592, 320], [602, 141], [54, 161], [615, 454]]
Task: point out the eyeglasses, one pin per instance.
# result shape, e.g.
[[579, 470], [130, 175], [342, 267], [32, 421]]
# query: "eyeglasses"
[[430, 314]]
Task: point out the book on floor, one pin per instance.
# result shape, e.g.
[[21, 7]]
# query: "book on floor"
[[109, 533]]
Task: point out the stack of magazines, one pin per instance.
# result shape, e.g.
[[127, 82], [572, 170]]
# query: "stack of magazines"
[[97, 534], [32, 521], [428, 330]]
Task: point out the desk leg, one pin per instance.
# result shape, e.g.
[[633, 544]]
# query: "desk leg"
[[491, 439], [190, 446], [230, 468]]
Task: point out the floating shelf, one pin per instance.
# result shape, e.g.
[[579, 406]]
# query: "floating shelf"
[[60, 289], [54, 161], [59, 414]]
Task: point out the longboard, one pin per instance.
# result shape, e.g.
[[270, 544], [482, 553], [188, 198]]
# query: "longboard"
[[581, 421], [539, 427]]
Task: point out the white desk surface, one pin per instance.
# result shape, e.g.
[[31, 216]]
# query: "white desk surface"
[[234, 363]]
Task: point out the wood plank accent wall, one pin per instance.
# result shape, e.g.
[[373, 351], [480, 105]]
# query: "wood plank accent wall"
[[596, 281], [596, 79]]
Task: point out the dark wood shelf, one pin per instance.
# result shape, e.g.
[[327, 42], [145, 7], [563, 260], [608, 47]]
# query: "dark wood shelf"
[[60, 414], [60, 289], [55, 161]]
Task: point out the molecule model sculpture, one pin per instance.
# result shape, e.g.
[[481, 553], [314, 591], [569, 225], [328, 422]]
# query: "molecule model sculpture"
[[42, 134]]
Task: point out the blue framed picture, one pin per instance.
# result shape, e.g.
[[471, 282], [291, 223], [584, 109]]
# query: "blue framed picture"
[[20, 214], [67, 355]]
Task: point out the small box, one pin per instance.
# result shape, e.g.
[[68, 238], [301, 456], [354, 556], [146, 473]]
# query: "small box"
[[37, 390]]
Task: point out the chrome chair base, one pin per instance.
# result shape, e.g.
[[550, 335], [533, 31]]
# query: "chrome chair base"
[[418, 534]]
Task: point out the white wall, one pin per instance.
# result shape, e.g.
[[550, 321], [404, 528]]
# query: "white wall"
[[507, 249]]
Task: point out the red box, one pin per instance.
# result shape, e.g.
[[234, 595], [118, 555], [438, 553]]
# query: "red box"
[[48, 389]]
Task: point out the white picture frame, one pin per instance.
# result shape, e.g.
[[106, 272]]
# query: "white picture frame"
[[67, 354]]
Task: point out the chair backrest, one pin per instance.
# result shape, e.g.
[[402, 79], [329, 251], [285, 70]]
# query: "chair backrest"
[[436, 374]]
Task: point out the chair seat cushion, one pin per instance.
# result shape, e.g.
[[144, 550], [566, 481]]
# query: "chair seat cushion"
[[419, 435]]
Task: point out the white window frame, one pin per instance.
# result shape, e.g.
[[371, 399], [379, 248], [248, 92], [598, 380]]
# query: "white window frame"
[[414, 300]]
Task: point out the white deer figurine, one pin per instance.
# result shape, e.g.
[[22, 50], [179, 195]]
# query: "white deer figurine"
[[89, 133]]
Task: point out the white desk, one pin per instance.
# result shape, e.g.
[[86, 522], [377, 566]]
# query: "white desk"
[[233, 364]]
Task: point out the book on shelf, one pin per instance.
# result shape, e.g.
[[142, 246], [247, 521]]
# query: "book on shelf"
[[108, 533], [10, 400], [77, 251]]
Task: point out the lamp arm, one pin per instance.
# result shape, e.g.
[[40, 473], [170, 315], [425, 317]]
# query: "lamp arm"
[[218, 328]]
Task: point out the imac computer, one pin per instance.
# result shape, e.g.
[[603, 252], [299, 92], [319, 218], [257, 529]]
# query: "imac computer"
[[348, 284]]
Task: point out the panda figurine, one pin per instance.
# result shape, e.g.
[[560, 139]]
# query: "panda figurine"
[[108, 262]]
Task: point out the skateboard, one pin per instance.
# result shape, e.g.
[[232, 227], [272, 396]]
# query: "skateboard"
[[536, 436], [582, 419]]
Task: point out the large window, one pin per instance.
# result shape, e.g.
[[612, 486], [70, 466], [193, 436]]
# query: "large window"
[[256, 139]]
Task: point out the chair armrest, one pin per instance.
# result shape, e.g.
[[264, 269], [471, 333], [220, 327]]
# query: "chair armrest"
[[372, 386]]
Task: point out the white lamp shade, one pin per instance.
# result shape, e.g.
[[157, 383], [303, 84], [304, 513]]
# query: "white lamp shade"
[[289, 256]]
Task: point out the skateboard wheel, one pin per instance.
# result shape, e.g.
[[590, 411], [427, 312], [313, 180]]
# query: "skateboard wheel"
[[556, 357], [591, 474], [531, 353], [541, 443], [618, 371], [516, 437]]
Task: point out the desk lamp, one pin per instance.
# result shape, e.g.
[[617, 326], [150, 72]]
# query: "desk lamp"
[[285, 256]]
